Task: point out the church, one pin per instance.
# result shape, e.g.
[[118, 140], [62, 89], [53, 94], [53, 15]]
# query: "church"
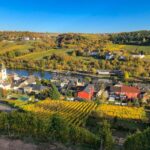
[[3, 73], [4, 83]]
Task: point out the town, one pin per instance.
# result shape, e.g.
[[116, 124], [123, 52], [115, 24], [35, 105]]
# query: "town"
[[75, 88]]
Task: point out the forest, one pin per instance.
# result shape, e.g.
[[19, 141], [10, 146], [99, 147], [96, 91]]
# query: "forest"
[[132, 38]]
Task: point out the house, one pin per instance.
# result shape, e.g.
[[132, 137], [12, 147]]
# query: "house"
[[138, 56], [27, 89], [5, 85], [29, 80], [80, 83], [117, 72], [34, 88], [129, 92], [94, 53], [109, 56], [16, 77], [103, 72], [87, 93], [122, 58], [25, 38], [38, 88]]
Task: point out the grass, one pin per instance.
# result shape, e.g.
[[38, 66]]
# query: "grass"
[[137, 48], [147, 57], [62, 52], [8, 47]]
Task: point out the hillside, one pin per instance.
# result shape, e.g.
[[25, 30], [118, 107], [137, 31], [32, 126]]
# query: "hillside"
[[77, 125], [45, 51]]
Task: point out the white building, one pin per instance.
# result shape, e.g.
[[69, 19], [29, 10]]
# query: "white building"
[[3, 73], [26, 38], [4, 84], [138, 56], [103, 72]]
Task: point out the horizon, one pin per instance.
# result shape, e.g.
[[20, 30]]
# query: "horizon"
[[76, 16], [72, 32]]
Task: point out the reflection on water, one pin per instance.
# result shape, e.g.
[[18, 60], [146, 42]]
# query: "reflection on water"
[[22, 72]]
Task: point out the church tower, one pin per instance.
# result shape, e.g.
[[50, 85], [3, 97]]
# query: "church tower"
[[3, 72]]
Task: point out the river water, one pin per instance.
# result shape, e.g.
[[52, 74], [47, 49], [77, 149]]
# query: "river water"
[[22, 72]]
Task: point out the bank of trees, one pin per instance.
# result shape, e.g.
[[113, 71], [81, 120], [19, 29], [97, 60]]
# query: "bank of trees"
[[23, 124], [82, 41], [134, 38], [138, 141]]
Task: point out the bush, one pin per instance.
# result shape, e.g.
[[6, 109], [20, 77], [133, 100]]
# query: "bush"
[[138, 141], [56, 129]]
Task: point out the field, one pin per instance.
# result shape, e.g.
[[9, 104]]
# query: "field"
[[73, 112], [6, 47], [132, 48], [40, 54], [122, 112], [77, 112], [23, 49]]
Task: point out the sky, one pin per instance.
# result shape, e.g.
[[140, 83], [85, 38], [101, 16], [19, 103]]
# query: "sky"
[[84, 16]]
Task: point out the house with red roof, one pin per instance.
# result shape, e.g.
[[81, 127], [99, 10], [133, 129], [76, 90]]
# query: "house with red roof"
[[130, 92], [87, 93]]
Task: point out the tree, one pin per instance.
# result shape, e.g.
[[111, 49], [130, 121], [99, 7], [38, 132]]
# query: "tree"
[[3, 93], [88, 79], [138, 141], [58, 129], [54, 93], [106, 136], [126, 75]]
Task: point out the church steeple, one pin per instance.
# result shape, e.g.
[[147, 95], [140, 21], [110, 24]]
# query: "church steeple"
[[3, 72]]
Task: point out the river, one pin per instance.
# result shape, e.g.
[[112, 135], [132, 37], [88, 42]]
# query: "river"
[[48, 75], [22, 72]]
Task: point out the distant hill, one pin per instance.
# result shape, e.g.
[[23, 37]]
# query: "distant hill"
[[132, 38]]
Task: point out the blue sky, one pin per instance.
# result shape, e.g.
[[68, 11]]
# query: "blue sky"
[[91, 16]]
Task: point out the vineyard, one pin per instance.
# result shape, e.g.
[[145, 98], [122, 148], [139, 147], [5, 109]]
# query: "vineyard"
[[122, 112], [74, 113]]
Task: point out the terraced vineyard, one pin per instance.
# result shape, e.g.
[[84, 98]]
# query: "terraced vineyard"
[[122, 112], [73, 112], [76, 113]]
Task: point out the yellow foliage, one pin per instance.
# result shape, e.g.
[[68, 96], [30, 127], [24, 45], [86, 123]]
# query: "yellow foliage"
[[113, 47], [73, 112], [123, 112]]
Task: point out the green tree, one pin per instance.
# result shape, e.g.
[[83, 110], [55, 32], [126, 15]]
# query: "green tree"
[[58, 129], [106, 136], [138, 141], [54, 93]]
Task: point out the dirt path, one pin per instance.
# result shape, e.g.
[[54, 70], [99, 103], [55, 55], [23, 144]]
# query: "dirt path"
[[4, 107], [9, 144]]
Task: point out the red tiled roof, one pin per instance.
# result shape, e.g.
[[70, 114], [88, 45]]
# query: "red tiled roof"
[[129, 89], [125, 89]]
